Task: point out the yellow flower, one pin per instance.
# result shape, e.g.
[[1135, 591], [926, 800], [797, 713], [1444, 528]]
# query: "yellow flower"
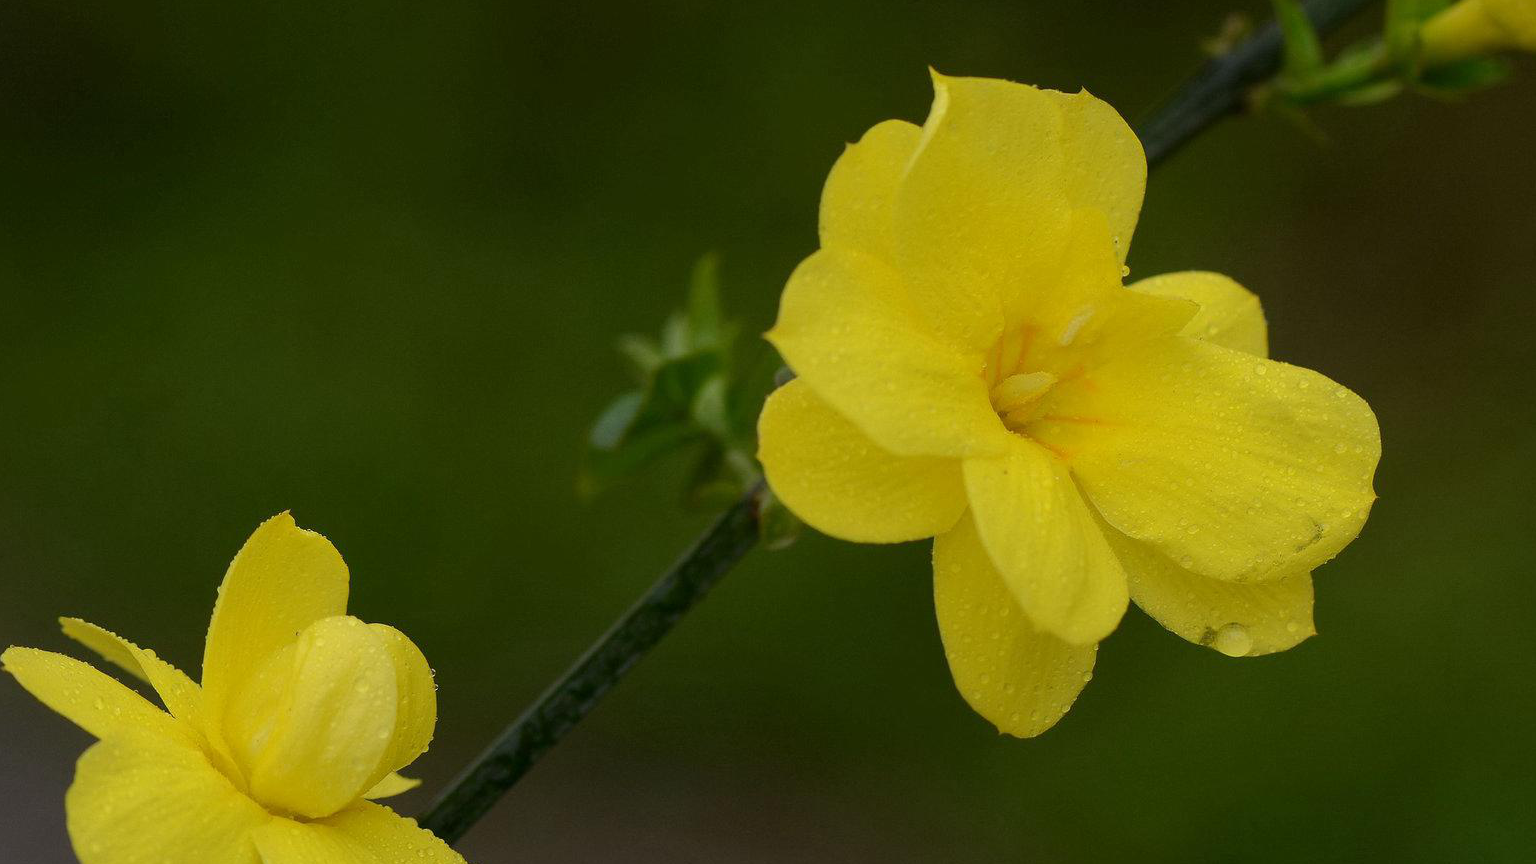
[[304, 714], [1473, 28], [971, 368]]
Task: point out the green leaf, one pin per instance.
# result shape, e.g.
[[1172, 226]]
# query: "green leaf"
[[1371, 94], [691, 394], [602, 467], [678, 380], [1465, 77], [710, 410], [1401, 35], [1303, 49], [615, 421], [643, 354], [675, 338], [643, 424]]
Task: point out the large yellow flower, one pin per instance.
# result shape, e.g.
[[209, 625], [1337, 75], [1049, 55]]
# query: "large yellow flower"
[[304, 714], [971, 368]]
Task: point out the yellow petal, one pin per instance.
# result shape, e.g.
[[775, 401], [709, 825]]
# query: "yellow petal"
[[415, 706], [284, 841], [1517, 18], [366, 833], [982, 212], [181, 697], [1229, 316], [845, 327], [1014, 674], [858, 197], [143, 798], [392, 838], [392, 785], [281, 581], [1235, 467], [1043, 540], [1105, 165], [312, 741], [112, 647], [1473, 28], [841, 483], [89, 698], [1237, 619]]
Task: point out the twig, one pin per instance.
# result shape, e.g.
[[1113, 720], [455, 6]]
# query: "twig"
[[1216, 91], [576, 693], [1221, 88]]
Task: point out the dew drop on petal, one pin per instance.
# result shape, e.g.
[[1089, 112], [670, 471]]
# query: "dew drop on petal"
[[1234, 640]]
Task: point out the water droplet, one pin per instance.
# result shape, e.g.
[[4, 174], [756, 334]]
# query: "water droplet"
[[1233, 640]]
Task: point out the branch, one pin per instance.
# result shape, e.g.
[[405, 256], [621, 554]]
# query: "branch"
[[1216, 91], [579, 690], [1221, 88]]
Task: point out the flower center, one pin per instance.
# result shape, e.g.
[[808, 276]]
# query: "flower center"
[[1016, 399]]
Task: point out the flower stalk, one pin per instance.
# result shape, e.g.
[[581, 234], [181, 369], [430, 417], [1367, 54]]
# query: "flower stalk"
[[579, 690]]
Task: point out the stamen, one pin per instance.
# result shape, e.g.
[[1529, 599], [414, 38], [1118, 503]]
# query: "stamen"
[[1070, 332], [1018, 391]]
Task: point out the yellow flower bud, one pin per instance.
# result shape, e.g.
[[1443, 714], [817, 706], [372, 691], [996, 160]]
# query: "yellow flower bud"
[[1473, 28]]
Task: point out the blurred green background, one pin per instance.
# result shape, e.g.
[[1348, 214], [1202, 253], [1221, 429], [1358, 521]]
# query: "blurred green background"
[[367, 261]]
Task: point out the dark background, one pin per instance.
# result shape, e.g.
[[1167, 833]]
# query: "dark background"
[[367, 261]]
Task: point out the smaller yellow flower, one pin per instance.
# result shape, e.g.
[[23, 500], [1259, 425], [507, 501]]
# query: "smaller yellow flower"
[[1473, 28], [303, 715]]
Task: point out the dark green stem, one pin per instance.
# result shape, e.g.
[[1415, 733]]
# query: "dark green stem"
[[1216, 91], [1221, 88], [579, 690]]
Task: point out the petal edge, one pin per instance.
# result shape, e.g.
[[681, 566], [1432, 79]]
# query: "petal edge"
[[1017, 676], [1042, 538], [842, 484]]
